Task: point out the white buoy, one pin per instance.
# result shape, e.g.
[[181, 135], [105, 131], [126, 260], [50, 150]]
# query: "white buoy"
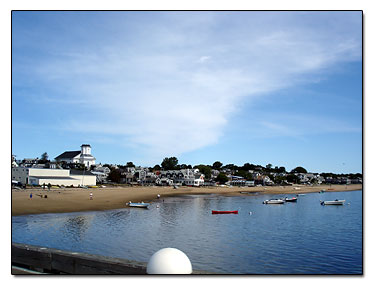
[[169, 261]]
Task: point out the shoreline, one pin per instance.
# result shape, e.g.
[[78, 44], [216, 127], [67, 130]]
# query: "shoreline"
[[64, 200]]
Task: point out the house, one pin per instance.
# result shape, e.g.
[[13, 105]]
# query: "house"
[[101, 173], [14, 163], [182, 177], [40, 176], [82, 156]]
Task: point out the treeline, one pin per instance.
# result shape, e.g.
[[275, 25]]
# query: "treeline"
[[172, 163]]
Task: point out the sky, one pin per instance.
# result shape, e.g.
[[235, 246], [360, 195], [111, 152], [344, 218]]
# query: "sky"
[[283, 88]]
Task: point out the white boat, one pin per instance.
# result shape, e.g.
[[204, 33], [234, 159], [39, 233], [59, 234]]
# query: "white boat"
[[273, 201], [138, 204], [333, 202]]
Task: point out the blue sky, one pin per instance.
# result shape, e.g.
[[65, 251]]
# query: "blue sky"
[[262, 87]]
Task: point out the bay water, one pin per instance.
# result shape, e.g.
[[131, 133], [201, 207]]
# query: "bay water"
[[292, 238]]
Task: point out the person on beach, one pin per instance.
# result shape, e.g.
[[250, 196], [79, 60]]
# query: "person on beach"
[[91, 195], [158, 196], [31, 195], [49, 186], [43, 185]]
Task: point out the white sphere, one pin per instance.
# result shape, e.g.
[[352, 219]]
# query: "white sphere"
[[169, 261]]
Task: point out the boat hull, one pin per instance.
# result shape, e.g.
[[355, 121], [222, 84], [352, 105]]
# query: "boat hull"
[[274, 201], [333, 202], [224, 211], [139, 205]]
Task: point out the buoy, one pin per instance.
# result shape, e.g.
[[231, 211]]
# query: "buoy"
[[169, 261]]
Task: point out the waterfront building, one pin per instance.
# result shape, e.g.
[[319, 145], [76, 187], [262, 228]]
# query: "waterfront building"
[[82, 156], [40, 176]]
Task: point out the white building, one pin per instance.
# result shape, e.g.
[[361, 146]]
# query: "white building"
[[14, 163], [40, 176], [83, 156]]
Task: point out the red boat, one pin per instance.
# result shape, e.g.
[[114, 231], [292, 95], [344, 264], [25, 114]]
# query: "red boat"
[[224, 212]]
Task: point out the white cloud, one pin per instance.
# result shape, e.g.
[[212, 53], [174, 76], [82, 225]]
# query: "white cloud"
[[149, 89], [203, 59]]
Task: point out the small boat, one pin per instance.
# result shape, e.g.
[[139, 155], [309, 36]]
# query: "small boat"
[[224, 211], [333, 202], [274, 201], [137, 204], [293, 199], [322, 191]]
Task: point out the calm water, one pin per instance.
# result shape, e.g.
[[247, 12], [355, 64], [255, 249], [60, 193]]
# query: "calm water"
[[294, 238]]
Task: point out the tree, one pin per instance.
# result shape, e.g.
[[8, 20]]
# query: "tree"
[[217, 165], [299, 169], [292, 178], [115, 175], [222, 178], [204, 169], [130, 164], [282, 169], [279, 179], [231, 166], [268, 166], [156, 167], [169, 163], [248, 166], [44, 158], [244, 174]]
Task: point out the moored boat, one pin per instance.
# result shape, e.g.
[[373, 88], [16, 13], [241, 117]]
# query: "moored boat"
[[333, 202], [137, 204], [274, 201], [224, 211], [292, 199]]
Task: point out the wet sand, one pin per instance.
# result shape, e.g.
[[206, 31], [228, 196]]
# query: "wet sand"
[[78, 199]]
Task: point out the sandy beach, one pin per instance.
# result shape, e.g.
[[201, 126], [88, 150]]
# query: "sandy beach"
[[77, 199]]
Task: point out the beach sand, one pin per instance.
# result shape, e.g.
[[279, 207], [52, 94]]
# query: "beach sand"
[[78, 199]]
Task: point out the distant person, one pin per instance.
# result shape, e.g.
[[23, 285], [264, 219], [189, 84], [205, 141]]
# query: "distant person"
[[43, 185], [91, 196], [49, 186], [31, 195], [158, 196]]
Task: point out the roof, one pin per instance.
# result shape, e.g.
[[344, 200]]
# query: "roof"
[[80, 172], [68, 154], [53, 177]]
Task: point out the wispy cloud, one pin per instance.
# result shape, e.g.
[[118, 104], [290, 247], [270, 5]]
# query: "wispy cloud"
[[299, 126], [203, 59], [169, 84]]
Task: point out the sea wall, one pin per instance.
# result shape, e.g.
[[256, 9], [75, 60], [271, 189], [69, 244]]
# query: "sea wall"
[[53, 261]]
